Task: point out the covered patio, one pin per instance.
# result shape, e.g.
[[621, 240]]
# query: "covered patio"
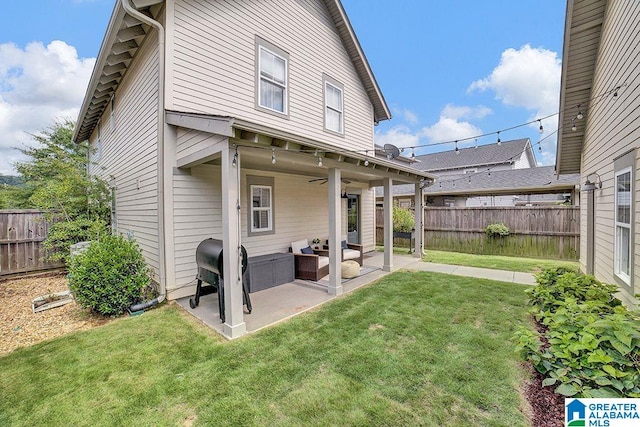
[[274, 305]]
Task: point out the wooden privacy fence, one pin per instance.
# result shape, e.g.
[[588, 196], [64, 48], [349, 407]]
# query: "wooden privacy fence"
[[21, 235], [535, 231]]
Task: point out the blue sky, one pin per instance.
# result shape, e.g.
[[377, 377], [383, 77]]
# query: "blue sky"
[[448, 69]]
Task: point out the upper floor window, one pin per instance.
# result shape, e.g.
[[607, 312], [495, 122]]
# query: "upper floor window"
[[112, 116], [333, 105], [272, 73]]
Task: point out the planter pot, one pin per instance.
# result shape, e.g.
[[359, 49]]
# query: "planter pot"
[[402, 234], [52, 300]]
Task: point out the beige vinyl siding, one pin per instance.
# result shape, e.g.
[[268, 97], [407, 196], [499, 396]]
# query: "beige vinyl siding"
[[129, 152], [613, 128], [192, 141], [213, 66]]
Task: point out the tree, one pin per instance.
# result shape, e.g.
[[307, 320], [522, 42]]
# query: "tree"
[[56, 179]]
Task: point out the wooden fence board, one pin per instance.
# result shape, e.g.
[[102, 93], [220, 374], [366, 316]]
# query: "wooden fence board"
[[536, 231], [21, 235]]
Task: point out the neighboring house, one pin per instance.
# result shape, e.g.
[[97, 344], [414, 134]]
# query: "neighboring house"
[[598, 136], [515, 154], [515, 187], [216, 119]]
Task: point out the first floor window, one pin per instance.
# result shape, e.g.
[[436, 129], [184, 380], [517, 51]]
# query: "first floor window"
[[623, 203], [261, 212]]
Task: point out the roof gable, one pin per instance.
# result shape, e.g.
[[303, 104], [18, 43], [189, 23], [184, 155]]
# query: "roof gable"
[[483, 155], [124, 35]]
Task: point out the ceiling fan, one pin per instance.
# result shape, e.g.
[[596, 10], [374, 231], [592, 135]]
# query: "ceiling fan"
[[324, 180]]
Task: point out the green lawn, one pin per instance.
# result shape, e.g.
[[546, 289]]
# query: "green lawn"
[[498, 262], [412, 349]]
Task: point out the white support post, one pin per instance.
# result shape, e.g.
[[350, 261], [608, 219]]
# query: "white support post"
[[335, 222], [388, 225], [234, 325], [419, 222]]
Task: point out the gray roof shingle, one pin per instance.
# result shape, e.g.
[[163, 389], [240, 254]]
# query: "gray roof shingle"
[[536, 180], [483, 155]]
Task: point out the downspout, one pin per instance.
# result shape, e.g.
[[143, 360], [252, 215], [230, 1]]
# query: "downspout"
[[128, 7]]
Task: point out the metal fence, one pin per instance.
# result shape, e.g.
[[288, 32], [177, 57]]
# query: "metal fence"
[[21, 235], [535, 231]]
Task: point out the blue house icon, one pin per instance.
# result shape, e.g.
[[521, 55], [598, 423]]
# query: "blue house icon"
[[575, 410]]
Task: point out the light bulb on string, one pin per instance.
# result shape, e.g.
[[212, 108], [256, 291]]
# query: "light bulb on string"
[[476, 146], [499, 142], [413, 153], [540, 129], [539, 148], [469, 179], [320, 161], [579, 116], [234, 162], [366, 158], [457, 150], [273, 156], [489, 174], [573, 125]]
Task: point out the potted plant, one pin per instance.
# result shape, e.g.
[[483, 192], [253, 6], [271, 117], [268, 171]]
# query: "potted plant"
[[316, 243], [403, 222]]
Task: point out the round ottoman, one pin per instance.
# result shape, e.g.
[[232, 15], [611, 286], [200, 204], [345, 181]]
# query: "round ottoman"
[[350, 269]]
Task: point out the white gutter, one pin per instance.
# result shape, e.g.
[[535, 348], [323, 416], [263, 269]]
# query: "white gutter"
[[128, 7]]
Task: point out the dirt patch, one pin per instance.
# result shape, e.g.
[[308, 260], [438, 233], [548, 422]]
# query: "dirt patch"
[[21, 327]]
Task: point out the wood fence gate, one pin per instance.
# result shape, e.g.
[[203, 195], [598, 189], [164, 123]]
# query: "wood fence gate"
[[21, 235]]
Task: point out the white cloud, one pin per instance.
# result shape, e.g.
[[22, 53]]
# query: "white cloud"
[[38, 84], [452, 126], [407, 115], [400, 136], [528, 78]]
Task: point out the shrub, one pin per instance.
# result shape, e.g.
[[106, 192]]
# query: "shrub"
[[64, 234], [497, 230], [109, 276], [590, 346], [403, 219]]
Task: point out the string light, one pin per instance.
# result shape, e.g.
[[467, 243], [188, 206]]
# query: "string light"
[[413, 154], [476, 147], [457, 151], [573, 125], [319, 161], [273, 156], [234, 162], [366, 158], [469, 179], [539, 148], [499, 142], [579, 116], [540, 129]]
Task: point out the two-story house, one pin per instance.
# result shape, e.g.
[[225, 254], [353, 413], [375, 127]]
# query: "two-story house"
[[599, 135], [216, 118]]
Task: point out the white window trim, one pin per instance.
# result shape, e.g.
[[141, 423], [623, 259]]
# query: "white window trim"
[[329, 81], [626, 278], [268, 209], [273, 50]]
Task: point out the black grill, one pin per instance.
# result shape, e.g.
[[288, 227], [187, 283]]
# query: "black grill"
[[209, 262]]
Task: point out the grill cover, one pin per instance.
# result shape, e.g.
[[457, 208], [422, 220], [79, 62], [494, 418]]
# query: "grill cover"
[[209, 258]]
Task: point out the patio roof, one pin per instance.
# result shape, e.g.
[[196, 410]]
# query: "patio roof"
[[257, 143]]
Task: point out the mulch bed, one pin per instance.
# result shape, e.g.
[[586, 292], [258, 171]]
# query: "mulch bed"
[[547, 407], [21, 327]]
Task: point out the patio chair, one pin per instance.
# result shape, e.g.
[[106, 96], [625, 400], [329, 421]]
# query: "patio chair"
[[350, 251], [309, 265]]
